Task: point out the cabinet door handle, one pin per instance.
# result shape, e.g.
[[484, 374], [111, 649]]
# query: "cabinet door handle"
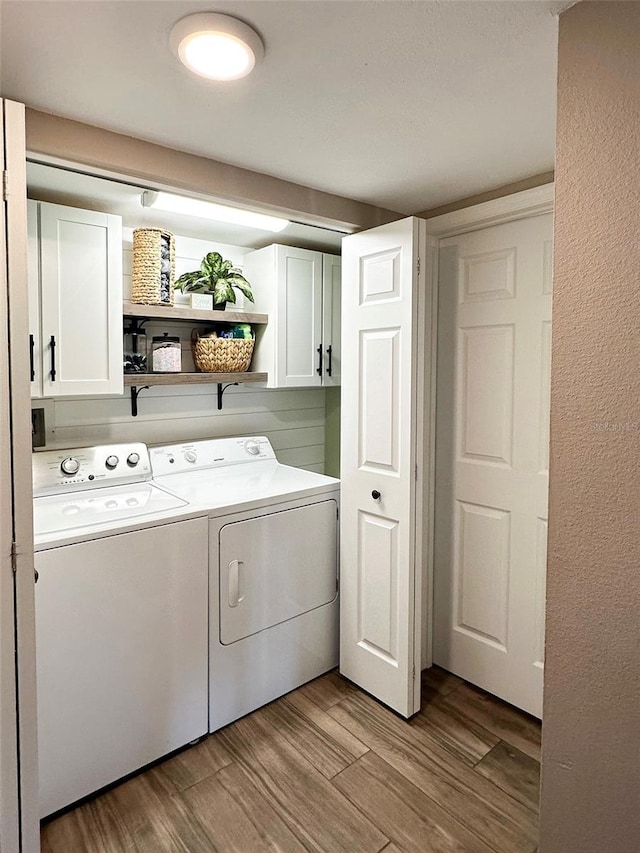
[[329, 353], [52, 346], [32, 368], [375, 494], [236, 593], [319, 368]]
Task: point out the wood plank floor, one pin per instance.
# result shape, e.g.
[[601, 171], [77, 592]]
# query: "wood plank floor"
[[326, 768]]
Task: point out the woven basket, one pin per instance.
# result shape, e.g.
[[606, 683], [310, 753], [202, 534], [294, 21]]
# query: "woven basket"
[[148, 287], [222, 355]]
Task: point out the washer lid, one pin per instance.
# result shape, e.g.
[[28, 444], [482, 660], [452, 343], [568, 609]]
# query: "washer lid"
[[56, 513]]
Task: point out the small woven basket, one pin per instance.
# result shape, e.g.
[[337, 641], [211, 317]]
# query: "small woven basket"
[[221, 355], [153, 275]]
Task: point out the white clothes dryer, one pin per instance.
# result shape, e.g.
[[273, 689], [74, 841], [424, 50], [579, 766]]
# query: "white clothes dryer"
[[273, 567]]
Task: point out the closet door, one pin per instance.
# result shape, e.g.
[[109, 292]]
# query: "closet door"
[[19, 826], [81, 292], [492, 478], [385, 397]]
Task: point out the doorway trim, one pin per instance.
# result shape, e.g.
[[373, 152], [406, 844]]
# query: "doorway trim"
[[533, 202], [520, 205]]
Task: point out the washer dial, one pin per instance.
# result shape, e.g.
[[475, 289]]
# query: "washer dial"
[[70, 466]]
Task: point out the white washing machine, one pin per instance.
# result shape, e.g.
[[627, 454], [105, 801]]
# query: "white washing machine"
[[121, 619], [273, 567]]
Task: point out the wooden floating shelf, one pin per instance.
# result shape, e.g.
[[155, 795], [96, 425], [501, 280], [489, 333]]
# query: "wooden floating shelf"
[[140, 379], [137, 382], [183, 312]]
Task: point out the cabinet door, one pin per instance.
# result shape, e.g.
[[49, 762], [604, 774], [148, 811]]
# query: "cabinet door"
[[81, 288], [299, 277], [33, 281], [331, 311]]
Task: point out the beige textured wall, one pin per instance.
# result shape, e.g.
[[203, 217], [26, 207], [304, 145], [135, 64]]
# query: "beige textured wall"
[[591, 730], [114, 152]]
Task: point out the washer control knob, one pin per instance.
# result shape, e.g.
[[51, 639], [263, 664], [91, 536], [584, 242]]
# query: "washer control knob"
[[111, 462], [133, 459], [190, 456], [252, 447], [70, 466]]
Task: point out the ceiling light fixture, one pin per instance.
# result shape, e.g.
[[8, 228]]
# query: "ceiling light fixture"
[[216, 46], [208, 210]]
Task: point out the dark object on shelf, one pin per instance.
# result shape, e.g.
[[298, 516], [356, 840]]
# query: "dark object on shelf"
[[135, 347], [135, 362]]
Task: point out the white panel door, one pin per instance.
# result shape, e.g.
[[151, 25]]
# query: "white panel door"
[[331, 312], [492, 458], [299, 277], [18, 796], [81, 293], [382, 348]]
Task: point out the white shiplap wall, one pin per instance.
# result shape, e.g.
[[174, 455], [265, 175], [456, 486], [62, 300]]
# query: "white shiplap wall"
[[294, 420]]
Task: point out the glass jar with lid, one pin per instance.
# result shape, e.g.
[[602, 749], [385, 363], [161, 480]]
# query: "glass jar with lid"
[[166, 354]]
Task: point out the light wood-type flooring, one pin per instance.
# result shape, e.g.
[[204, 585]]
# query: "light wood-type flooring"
[[327, 768]]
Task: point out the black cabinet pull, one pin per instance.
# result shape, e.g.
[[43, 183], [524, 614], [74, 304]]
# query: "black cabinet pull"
[[36, 575], [32, 368], [329, 353], [52, 345], [375, 494], [319, 368]]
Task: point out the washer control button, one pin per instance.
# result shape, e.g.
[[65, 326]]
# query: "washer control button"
[[111, 462], [252, 447], [133, 459], [70, 466], [190, 456]]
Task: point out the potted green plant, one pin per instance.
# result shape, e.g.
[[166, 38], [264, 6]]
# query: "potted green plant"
[[217, 278]]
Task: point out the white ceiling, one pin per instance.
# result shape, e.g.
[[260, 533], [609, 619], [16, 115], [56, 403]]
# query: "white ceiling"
[[407, 105]]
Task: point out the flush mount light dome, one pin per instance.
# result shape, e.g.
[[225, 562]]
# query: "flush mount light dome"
[[216, 46]]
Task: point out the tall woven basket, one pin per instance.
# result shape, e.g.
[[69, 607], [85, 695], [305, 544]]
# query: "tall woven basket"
[[221, 355], [154, 266]]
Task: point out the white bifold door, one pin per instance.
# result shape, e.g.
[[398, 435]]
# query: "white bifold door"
[[386, 313], [492, 457]]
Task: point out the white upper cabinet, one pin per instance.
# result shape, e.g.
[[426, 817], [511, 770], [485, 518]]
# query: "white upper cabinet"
[[77, 347], [300, 291]]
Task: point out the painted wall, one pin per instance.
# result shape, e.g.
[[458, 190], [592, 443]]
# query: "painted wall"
[[591, 730]]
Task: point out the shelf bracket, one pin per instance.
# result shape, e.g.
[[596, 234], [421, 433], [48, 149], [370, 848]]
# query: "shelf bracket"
[[221, 389], [135, 391]]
